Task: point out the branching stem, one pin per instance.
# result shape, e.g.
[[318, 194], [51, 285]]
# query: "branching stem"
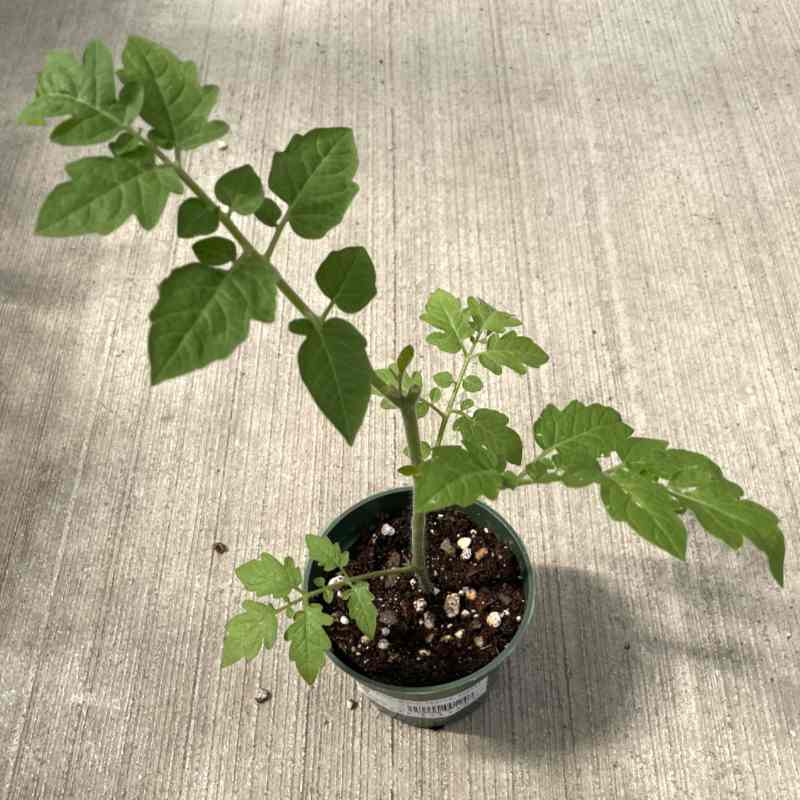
[[365, 576]]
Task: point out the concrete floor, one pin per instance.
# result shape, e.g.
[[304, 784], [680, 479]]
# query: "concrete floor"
[[624, 175]]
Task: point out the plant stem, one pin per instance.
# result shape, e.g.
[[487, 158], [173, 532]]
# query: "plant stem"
[[454, 393], [419, 541], [365, 576], [327, 310]]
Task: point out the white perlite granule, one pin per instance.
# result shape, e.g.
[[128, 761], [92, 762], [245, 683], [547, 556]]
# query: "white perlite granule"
[[452, 604], [464, 542]]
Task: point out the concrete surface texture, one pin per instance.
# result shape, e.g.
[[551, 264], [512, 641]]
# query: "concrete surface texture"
[[622, 174]]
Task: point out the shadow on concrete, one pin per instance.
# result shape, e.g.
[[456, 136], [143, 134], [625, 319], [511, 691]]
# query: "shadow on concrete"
[[591, 656], [567, 682]]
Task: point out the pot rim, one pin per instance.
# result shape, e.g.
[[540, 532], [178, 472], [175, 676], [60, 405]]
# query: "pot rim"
[[458, 684]]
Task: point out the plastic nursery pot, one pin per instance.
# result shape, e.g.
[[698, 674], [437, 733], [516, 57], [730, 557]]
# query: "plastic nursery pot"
[[428, 706]]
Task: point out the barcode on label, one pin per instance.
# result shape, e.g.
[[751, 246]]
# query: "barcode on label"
[[429, 709]]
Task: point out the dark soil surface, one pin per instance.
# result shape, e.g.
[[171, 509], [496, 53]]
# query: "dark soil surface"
[[425, 641]]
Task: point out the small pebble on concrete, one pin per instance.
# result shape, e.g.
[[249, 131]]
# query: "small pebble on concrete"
[[263, 695]]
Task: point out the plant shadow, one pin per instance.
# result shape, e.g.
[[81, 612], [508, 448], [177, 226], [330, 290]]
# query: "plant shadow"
[[589, 659], [545, 694]]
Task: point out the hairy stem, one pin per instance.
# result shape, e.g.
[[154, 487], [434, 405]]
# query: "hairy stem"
[[419, 541]]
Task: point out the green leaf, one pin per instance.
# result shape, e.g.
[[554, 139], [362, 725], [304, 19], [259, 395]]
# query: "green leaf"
[[314, 176], [301, 326], [201, 316], [361, 607], [425, 450], [543, 471], [513, 351], [335, 368], [215, 250], [405, 357], [257, 280], [488, 318], [409, 470], [443, 311], [268, 212], [86, 92], [309, 642], [436, 394], [210, 132], [488, 428], [266, 575], [326, 553], [677, 460], [175, 104], [124, 143], [247, 633], [465, 404], [103, 193], [721, 510], [348, 278], [443, 379], [472, 383], [577, 467], [643, 455], [653, 457], [647, 507], [241, 189], [455, 476], [292, 571], [595, 428], [197, 218]]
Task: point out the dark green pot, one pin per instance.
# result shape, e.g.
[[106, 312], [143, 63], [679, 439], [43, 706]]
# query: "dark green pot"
[[428, 706]]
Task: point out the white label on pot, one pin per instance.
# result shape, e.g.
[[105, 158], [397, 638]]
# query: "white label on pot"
[[440, 708]]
